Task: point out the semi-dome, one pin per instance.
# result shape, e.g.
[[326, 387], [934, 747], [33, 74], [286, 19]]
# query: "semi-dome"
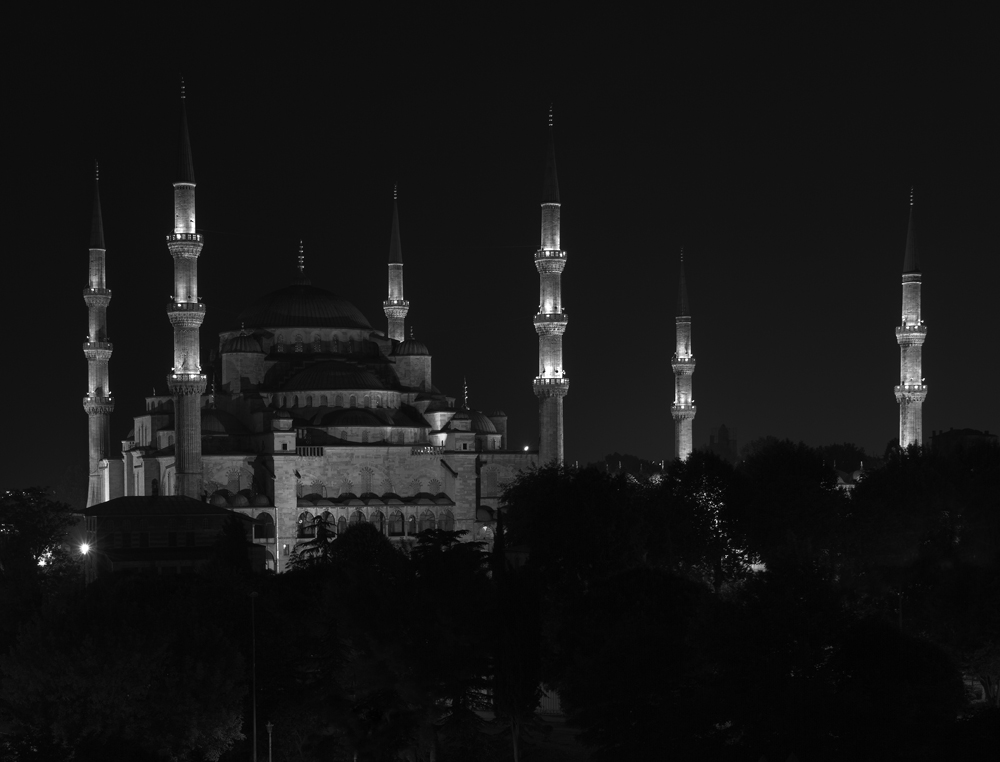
[[242, 343], [221, 422], [332, 374], [303, 306], [410, 348]]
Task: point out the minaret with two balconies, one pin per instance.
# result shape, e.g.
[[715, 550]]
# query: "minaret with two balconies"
[[98, 402], [396, 306], [683, 409], [186, 313], [910, 335], [551, 383]]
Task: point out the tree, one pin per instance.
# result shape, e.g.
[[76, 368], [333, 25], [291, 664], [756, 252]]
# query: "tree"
[[142, 665]]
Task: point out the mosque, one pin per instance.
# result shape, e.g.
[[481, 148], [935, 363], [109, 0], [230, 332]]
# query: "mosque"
[[315, 413]]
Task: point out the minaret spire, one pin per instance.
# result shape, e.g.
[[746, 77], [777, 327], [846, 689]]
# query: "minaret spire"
[[683, 410], [396, 306], [910, 335], [551, 383], [186, 313], [98, 401]]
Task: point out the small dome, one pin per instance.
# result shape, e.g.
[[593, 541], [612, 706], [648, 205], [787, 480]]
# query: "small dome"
[[260, 501], [238, 501], [303, 306], [242, 343], [498, 414], [313, 497], [482, 424], [219, 500], [411, 348], [462, 415]]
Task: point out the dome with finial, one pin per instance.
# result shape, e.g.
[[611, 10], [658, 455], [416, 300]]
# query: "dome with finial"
[[243, 343], [411, 348]]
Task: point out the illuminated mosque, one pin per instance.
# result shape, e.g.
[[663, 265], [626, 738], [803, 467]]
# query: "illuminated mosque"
[[315, 414]]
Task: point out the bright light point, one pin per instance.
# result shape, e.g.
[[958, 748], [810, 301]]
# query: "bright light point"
[[526, 448], [84, 548]]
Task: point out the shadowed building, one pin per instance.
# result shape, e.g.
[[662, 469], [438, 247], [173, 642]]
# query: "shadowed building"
[[314, 414]]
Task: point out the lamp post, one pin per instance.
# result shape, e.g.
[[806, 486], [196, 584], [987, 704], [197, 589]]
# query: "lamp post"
[[270, 727], [253, 662]]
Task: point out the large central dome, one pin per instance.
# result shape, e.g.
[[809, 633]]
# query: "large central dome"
[[303, 306]]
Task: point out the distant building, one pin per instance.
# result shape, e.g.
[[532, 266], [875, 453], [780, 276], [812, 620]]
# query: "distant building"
[[954, 440], [723, 443], [683, 409]]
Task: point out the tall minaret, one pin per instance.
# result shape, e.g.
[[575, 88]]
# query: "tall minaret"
[[395, 306], [683, 409], [186, 314], [910, 336], [97, 349], [551, 384]]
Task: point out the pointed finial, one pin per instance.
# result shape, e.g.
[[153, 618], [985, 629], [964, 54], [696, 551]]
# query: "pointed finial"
[[183, 95], [302, 258], [411, 333], [550, 114], [682, 254], [911, 195], [97, 170], [96, 220], [465, 393], [395, 191]]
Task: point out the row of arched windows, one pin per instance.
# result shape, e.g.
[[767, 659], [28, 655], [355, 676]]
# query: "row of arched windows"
[[323, 400], [395, 526]]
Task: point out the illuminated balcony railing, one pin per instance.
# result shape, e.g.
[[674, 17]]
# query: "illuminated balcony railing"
[[427, 450], [172, 237], [97, 345], [549, 254], [185, 307], [551, 317]]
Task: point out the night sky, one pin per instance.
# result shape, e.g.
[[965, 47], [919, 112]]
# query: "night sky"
[[779, 157]]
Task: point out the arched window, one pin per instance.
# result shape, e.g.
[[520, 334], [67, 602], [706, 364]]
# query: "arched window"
[[426, 520], [328, 523], [378, 400], [306, 526], [378, 521], [341, 524], [264, 528], [309, 400], [298, 342], [317, 344], [354, 400], [338, 401], [446, 521], [411, 524], [358, 518], [368, 400], [324, 401], [396, 524]]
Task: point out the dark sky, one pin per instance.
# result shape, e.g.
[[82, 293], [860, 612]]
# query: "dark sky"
[[779, 155]]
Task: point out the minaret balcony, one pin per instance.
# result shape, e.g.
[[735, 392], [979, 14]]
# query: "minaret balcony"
[[683, 364], [683, 410], [187, 384], [551, 387], [911, 333], [104, 346], [176, 237], [186, 314], [549, 254], [96, 404], [911, 392]]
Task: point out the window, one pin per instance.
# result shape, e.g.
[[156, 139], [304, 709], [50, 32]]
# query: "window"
[[396, 524], [306, 526], [378, 521], [426, 520], [264, 529], [411, 525], [446, 521], [341, 525]]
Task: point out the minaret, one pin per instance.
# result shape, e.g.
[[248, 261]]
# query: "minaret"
[[395, 306], [97, 349], [551, 384], [683, 409], [910, 336], [186, 313]]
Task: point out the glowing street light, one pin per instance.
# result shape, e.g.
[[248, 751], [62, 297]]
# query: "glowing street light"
[[84, 548]]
